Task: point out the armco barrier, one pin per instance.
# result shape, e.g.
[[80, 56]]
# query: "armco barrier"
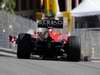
[[11, 51]]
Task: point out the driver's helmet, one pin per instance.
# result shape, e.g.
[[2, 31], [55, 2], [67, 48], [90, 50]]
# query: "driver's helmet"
[[40, 30], [50, 29]]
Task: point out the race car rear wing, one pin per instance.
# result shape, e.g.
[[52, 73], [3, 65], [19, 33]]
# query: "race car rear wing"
[[50, 23]]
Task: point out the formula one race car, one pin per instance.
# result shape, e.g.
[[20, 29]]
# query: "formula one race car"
[[49, 44]]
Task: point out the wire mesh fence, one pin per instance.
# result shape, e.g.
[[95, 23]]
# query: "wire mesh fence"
[[13, 25], [88, 29], [90, 42]]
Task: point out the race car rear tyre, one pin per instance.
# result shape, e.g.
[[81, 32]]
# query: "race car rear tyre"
[[22, 54], [73, 49], [24, 46]]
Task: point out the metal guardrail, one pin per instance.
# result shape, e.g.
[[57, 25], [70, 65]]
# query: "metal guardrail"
[[6, 50]]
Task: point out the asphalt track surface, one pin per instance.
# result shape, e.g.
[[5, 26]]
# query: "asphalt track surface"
[[10, 65], [14, 66]]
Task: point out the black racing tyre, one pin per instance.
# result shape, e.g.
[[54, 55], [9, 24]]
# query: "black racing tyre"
[[24, 46], [73, 49], [22, 54]]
